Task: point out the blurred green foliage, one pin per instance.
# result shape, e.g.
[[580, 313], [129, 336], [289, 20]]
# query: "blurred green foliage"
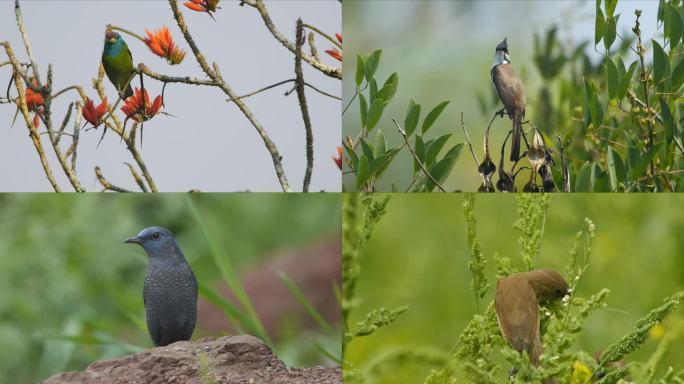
[[419, 256], [64, 271]]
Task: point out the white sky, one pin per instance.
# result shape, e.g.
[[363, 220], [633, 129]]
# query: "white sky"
[[209, 144]]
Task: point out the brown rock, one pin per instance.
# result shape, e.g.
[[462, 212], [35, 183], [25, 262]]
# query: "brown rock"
[[230, 359]]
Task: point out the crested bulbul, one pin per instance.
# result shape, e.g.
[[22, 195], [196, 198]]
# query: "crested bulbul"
[[511, 91]]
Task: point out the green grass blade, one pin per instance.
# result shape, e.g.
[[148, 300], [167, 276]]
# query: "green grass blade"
[[229, 274], [234, 316], [297, 293]]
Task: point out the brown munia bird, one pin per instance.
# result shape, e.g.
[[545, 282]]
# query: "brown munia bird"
[[517, 307]]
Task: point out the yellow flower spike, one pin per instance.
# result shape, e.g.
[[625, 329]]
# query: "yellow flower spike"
[[580, 373]]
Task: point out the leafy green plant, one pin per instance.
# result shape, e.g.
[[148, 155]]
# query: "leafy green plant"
[[621, 117], [473, 356], [361, 213], [368, 161], [481, 355]]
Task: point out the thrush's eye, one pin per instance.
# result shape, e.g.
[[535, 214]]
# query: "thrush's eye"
[[155, 235]]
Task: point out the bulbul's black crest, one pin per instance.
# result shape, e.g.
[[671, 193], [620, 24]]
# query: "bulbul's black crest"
[[503, 46]]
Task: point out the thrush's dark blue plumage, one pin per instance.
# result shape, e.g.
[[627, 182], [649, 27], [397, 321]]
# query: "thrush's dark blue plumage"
[[170, 289]]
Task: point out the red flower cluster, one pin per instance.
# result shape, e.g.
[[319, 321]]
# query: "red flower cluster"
[[93, 114], [34, 103], [334, 52], [207, 6], [338, 159], [161, 43], [140, 111]]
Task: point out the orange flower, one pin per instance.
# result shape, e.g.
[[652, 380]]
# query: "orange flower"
[[207, 6], [135, 109], [161, 44], [93, 114], [338, 159], [334, 53], [34, 103], [33, 99]]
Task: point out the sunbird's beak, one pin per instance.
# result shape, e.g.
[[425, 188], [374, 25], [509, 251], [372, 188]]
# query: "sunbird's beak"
[[134, 240]]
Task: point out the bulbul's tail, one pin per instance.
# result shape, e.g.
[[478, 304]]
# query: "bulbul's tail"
[[515, 139]]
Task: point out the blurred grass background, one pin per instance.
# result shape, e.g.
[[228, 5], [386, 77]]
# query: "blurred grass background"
[[65, 271], [444, 50], [418, 256]]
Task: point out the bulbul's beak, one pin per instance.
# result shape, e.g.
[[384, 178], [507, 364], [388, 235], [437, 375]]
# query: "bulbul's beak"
[[134, 240]]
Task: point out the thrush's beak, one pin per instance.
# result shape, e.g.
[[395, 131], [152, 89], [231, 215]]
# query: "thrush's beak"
[[134, 240]]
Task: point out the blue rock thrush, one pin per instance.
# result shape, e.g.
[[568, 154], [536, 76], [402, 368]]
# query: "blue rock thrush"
[[170, 290]]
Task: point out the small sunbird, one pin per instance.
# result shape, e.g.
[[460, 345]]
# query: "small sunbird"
[[118, 63]]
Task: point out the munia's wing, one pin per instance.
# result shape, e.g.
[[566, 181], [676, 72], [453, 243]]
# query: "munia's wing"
[[517, 312]]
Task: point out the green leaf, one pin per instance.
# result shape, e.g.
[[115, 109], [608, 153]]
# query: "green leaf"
[[420, 153], [353, 158], [676, 28], [371, 64], [610, 7], [372, 91], [367, 150], [380, 144], [616, 169], [375, 113], [612, 78], [659, 59], [442, 169], [668, 121], [378, 164], [359, 70], [595, 107], [610, 32], [645, 161], [363, 107], [433, 115], [626, 80], [678, 75], [600, 25], [362, 172], [412, 117], [390, 88], [585, 178], [633, 156], [434, 147]]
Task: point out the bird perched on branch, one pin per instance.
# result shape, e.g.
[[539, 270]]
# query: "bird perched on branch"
[[511, 92], [118, 63], [517, 307], [170, 289]]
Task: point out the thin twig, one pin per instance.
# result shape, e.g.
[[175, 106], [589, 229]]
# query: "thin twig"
[[24, 37], [303, 105], [23, 108], [106, 184], [328, 37], [312, 46], [415, 157], [324, 68], [137, 177], [215, 75], [470, 145]]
